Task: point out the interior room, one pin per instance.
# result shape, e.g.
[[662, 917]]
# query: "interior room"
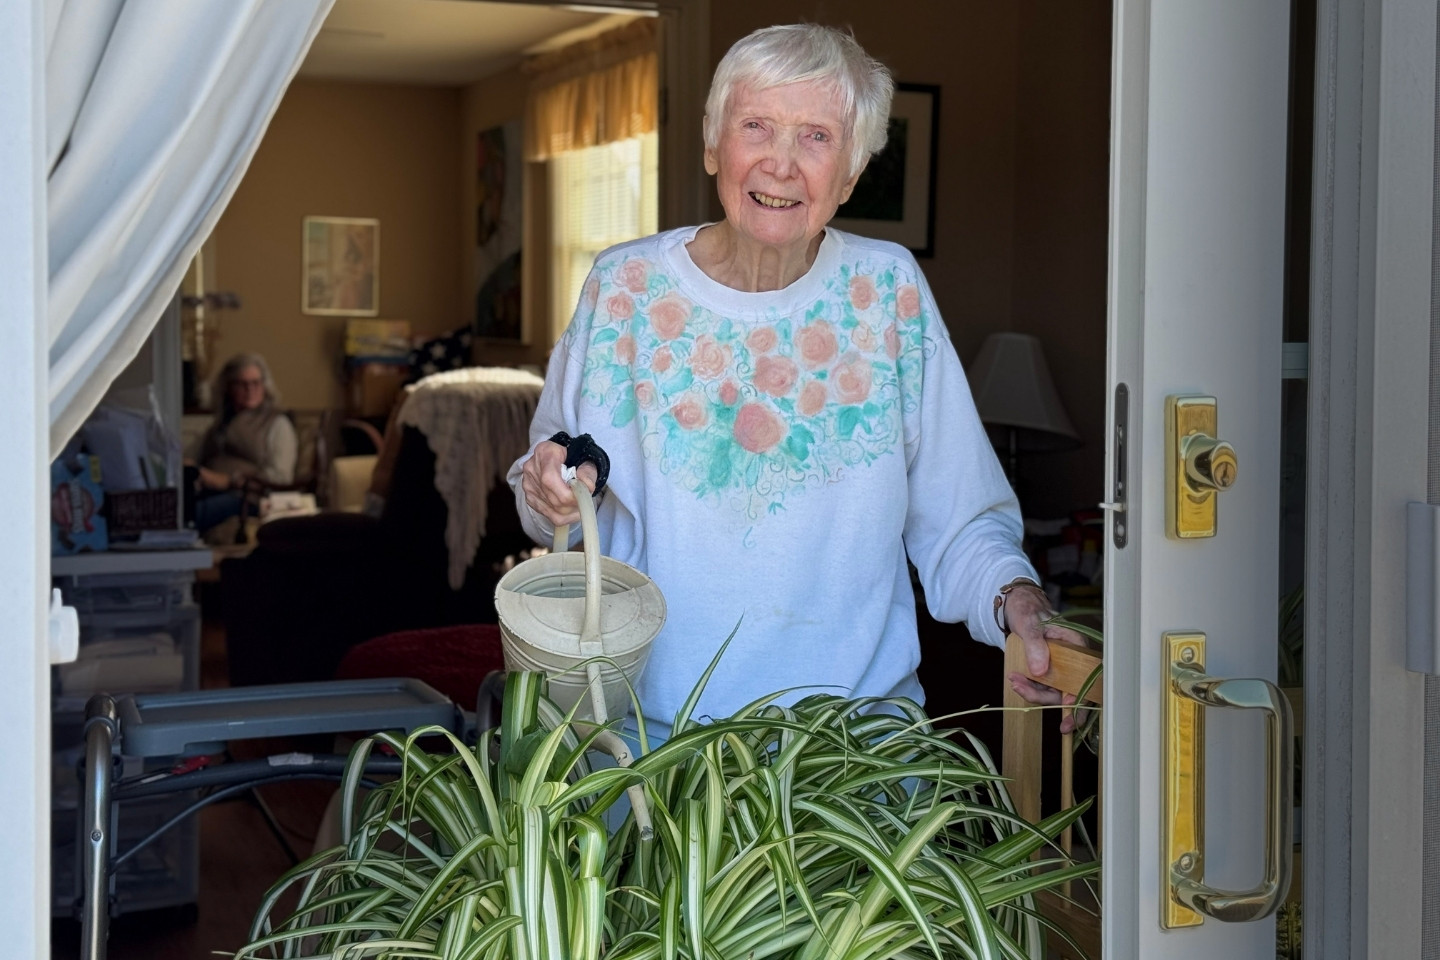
[[404, 137]]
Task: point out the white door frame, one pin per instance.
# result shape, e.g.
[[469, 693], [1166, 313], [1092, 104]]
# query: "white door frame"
[[1373, 220], [1199, 97], [24, 432], [1372, 225]]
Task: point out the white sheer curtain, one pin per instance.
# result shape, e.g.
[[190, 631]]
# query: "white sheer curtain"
[[154, 109]]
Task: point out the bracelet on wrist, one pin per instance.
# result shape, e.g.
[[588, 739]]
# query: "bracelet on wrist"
[[1004, 594]]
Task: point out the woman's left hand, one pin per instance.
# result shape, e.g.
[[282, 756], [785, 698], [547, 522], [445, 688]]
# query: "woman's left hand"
[[1026, 610]]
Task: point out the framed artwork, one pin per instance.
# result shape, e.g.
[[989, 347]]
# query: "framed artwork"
[[341, 272], [497, 235], [895, 196]]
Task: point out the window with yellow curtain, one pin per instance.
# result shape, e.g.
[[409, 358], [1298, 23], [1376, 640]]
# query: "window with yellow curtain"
[[599, 196], [591, 121]]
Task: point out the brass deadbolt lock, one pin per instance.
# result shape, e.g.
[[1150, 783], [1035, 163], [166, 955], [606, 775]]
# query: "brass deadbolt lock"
[[1197, 467]]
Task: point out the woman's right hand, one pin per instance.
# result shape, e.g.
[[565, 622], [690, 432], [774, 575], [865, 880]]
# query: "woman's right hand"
[[215, 480], [546, 491]]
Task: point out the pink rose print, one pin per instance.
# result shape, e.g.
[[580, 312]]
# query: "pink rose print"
[[775, 375], [729, 393], [621, 307], [645, 393], [761, 340], [709, 359], [591, 294], [625, 349], [662, 360], [907, 301], [851, 377], [757, 429], [816, 342], [862, 293], [690, 413], [634, 276], [863, 337], [812, 399], [668, 316], [892, 342]]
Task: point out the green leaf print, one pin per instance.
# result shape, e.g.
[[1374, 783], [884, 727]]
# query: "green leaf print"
[[625, 410], [608, 335], [817, 310], [676, 445], [718, 475], [846, 420], [752, 471], [797, 447], [679, 382]]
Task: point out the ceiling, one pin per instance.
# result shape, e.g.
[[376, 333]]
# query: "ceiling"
[[441, 42]]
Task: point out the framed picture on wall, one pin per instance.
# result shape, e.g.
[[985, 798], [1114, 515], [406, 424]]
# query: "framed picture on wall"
[[498, 209], [895, 196], [340, 276]]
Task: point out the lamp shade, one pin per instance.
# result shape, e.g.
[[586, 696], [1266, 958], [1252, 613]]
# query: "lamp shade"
[[1013, 391]]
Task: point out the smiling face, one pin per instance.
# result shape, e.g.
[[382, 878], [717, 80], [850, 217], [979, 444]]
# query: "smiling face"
[[782, 163]]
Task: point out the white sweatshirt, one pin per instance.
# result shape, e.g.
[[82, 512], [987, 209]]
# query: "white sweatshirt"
[[774, 458]]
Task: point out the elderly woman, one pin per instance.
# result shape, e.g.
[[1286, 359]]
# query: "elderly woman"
[[250, 439], [786, 416]]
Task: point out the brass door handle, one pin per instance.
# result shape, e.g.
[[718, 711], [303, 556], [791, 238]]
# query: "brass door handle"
[[1188, 690]]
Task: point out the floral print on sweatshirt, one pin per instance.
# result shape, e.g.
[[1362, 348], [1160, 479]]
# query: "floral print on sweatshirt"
[[754, 411]]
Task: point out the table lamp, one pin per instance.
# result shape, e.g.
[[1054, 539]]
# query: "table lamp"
[[1016, 398]]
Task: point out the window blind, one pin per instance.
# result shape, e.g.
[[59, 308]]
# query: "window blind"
[[600, 196]]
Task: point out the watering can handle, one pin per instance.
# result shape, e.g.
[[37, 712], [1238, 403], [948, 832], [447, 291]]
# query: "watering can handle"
[[590, 645]]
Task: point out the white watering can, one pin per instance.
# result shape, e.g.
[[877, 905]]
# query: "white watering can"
[[561, 611]]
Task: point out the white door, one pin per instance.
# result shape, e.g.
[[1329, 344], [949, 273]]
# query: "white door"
[[1197, 245]]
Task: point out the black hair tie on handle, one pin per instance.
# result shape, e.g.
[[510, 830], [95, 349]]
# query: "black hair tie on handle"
[[582, 448]]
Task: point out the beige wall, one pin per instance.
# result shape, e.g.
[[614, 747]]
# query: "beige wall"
[[1022, 182], [347, 150]]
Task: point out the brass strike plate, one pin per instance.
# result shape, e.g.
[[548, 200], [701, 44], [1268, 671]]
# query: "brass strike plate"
[[1189, 513], [1183, 823]]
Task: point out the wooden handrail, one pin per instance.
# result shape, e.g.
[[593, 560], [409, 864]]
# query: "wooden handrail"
[[1070, 667]]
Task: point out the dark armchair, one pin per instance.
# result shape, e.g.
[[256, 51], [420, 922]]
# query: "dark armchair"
[[316, 586]]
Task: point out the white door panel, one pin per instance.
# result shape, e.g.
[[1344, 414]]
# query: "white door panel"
[[1198, 247]]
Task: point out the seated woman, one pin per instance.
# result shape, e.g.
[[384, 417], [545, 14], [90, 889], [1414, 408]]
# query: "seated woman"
[[251, 439]]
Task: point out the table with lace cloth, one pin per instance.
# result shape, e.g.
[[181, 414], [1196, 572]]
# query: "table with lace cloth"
[[477, 423]]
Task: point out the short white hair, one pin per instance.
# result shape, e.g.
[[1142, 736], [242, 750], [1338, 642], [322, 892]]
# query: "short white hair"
[[800, 53]]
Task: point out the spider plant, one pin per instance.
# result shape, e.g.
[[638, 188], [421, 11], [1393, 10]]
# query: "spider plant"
[[832, 828]]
